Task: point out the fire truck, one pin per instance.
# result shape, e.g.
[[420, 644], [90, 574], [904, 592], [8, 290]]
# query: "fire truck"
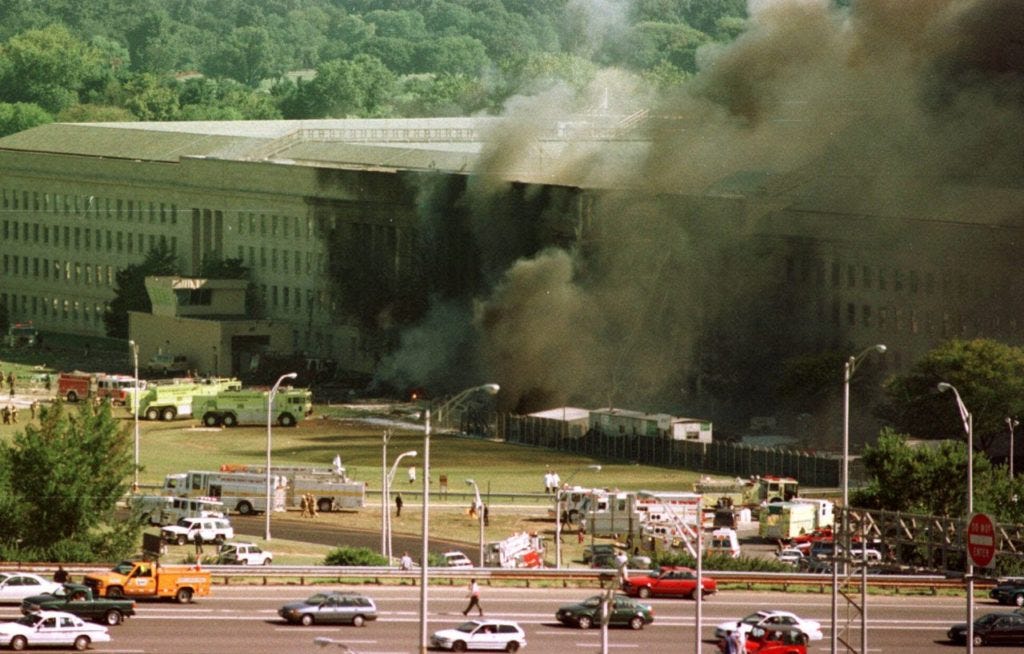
[[517, 551], [77, 385], [746, 492], [167, 401], [242, 488], [786, 520], [238, 407]]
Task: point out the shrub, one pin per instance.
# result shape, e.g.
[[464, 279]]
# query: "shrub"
[[354, 556]]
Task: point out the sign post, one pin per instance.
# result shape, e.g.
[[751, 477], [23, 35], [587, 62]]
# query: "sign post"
[[981, 540]]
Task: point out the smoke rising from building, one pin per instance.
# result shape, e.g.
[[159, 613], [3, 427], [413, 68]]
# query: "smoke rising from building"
[[666, 299]]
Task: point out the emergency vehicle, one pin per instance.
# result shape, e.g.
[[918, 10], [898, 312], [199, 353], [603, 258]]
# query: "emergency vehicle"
[[238, 407], [167, 509], [626, 513], [77, 385], [242, 488], [167, 401], [521, 550], [746, 492], [786, 520]]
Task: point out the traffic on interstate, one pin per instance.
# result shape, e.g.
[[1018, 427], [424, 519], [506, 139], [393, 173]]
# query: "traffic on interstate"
[[245, 620]]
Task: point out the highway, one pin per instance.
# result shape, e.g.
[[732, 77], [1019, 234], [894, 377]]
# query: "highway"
[[243, 620]]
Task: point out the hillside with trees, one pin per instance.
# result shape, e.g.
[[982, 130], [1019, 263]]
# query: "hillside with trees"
[[263, 59]]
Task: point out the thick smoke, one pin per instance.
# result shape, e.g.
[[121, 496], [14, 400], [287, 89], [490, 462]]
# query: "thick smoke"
[[877, 108]]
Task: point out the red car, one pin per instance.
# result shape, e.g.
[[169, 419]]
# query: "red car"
[[775, 641], [669, 582]]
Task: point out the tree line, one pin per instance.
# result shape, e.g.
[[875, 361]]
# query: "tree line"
[[297, 59]]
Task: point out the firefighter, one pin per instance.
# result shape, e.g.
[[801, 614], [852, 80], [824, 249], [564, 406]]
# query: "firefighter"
[[305, 506]]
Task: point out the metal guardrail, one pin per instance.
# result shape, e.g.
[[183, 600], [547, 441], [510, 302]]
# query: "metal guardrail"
[[268, 574]]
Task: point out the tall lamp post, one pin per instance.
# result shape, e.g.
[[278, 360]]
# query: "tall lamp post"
[[1011, 423], [968, 421], [558, 511], [270, 422], [491, 389], [849, 367], [135, 404], [480, 518], [387, 499]]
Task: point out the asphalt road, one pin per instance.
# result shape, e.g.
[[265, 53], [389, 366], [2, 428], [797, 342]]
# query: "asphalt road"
[[243, 620]]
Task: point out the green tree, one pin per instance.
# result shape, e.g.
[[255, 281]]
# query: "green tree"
[[130, 289], [248, 55], [361, 87], [21, 116], [47, 67], [71, 471], [150, 97], [989, 377]]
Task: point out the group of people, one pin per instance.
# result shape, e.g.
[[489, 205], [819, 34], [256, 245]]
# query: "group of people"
[[551, 482], [10, 381], [734, 643], [308, 505]]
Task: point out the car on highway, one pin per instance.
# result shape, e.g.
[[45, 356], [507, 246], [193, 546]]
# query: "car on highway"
[[51, 629], [498, 635], [669, 581], [78, 599], [16, 586], [330, 608], [991, 629], [625, 612], [1009, 591], [777, 640], [768, 619]]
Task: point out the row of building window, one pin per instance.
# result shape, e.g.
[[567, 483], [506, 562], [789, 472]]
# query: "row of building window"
[[68, 271], [812, 271], [287, 261], [83, 238], [89, 206], [894, 319], [48, 309], [264, 225]]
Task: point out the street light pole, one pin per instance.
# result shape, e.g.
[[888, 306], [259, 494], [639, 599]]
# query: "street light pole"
[[491, 389], [968, 421], [480, 517], [270, 422], [387, 500], [849, 367], [1011, 423], [558, 511], [135, 402]]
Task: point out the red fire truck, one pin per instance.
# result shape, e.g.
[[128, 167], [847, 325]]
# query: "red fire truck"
[[77, 385]]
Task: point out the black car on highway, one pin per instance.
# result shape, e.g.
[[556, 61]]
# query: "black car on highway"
[[1009, 591], [991, 629], [625, 611]]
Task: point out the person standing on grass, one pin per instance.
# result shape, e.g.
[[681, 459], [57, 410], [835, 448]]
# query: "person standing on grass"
[[398, 505], [474, 598]]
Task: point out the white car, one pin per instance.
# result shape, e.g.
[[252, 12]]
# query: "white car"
[[790, 555], [16, 586], [769, 619], [211, 530], [244, 554], [457, 559], [51, 629], [500, 635]]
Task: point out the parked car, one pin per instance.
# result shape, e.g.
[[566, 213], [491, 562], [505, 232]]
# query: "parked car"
[[769, 619], [1009, 591], [670, 581], [78, 599], [51, 629], [590, 551], [456, 559], [857, 553], [16, 586], [166, 364], [331, 608], [790, 555], [625, 611], [991, 629], [500, 635], [243, 554]]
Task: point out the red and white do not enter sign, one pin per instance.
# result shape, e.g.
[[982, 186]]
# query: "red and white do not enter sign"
[[981, 540]]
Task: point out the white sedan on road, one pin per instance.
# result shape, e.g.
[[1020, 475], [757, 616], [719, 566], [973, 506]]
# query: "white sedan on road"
[[16, 586], [51, 629], [768, 619]]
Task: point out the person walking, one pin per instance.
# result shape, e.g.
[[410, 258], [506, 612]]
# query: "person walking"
[[398, 505], [305, 506], [412, 474], [61, 575], [474, 598], [405, 563], [199, 544]]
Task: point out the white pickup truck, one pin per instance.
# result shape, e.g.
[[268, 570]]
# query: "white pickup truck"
[[211, 530]]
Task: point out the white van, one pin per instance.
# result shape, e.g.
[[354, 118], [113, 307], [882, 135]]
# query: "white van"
[[724, 542]]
